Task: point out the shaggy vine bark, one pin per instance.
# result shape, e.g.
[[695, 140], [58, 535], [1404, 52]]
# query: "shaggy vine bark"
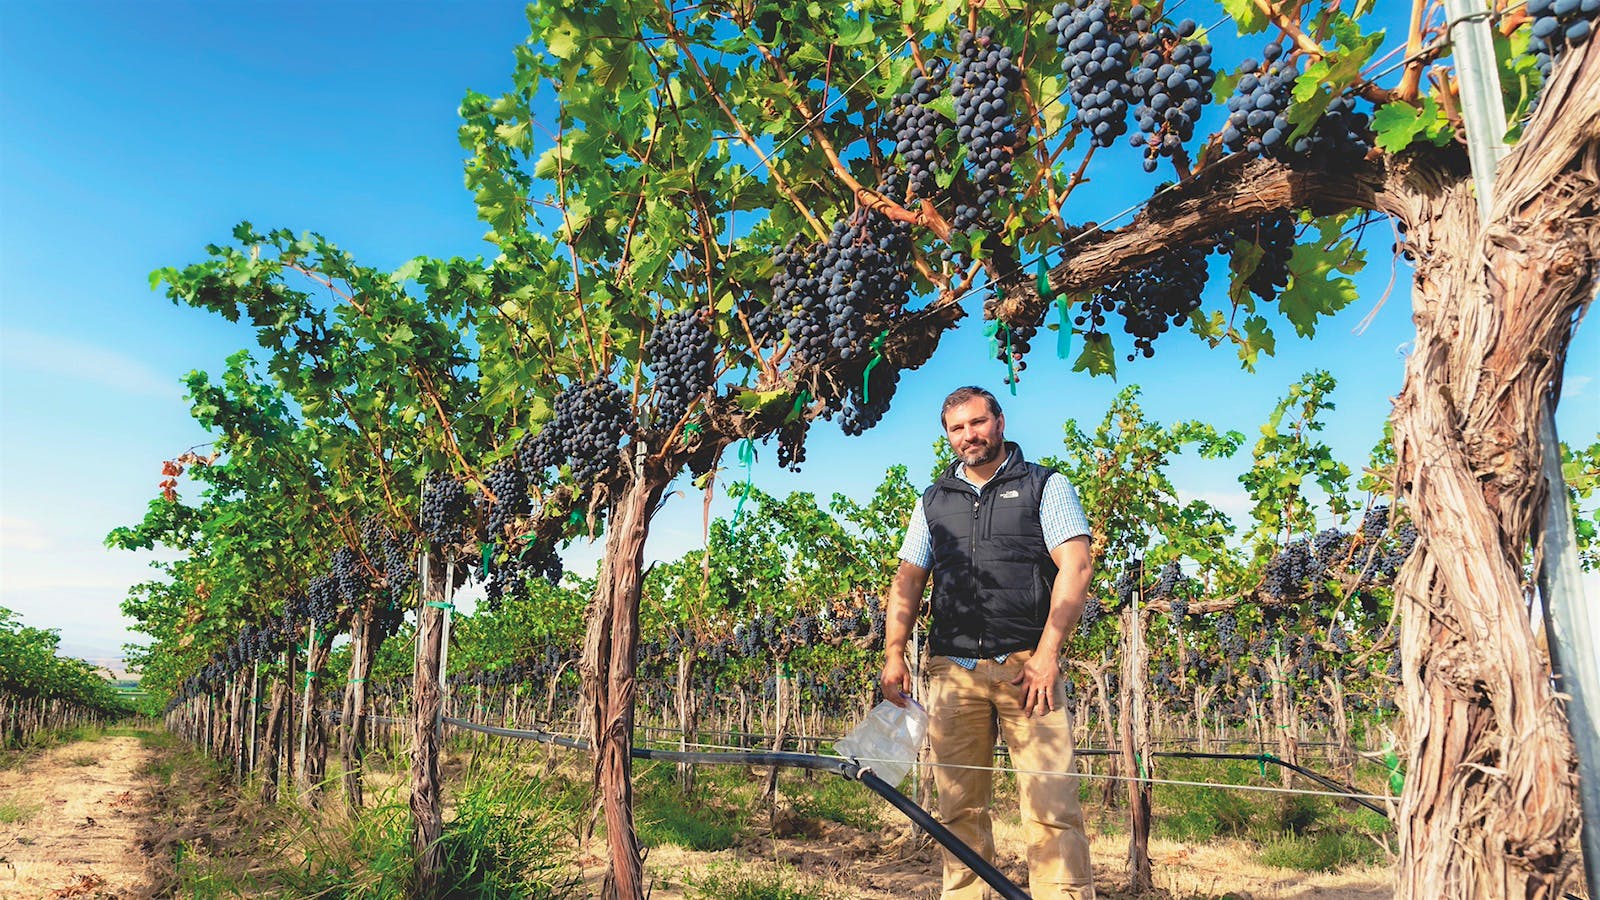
[[426, 811], [1489, 808], [608, 674]]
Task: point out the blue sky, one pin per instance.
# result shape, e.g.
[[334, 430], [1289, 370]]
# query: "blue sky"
[[134, 134]]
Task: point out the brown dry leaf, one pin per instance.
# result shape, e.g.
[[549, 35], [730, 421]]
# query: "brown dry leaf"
[[82, 886]]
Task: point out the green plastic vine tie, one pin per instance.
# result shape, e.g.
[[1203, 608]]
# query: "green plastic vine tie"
[[487, 549], [800, 401], [692, 428], [1397, 781], [356, 681], [1262, 760], [1064, 331], [877, 357], [440, 604], [1011, 361], [1041, 284], [747, 458], [992, 332], [1138, 762], [575, 517]]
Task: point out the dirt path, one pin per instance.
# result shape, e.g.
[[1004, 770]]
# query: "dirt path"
[[69, 821]]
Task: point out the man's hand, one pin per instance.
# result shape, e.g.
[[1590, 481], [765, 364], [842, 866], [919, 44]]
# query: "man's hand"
[[896, 680], [1039, 675]]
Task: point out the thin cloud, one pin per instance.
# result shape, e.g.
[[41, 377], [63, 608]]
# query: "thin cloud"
[[22, 535], [66, 357]]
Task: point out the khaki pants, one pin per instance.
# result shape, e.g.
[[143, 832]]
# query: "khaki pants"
[[964, 709]]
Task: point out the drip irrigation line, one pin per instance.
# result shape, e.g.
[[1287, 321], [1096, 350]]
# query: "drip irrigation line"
[[844, 768], [725, 754]]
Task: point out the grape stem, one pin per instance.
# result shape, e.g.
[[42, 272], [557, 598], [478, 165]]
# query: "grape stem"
[[1412, 78], [1291, 28]]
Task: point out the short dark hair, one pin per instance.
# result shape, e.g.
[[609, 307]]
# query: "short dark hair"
[[962, 394]]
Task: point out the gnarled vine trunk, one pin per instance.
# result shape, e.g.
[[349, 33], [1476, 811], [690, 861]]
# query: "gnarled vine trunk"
[[427, 813], [1489, 807], [608, 676], [353, 720]]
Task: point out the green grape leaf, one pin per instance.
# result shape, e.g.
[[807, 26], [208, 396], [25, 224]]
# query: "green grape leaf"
[[1098, 356], [1257, 339], [1398, 124], [944, 105], [1316, 286], [1244, 12]]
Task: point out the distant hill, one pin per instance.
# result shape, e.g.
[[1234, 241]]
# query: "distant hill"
[[113, 667]]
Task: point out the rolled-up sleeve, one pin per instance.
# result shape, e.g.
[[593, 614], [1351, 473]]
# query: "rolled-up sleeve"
[[1061, 515], [917, 548]]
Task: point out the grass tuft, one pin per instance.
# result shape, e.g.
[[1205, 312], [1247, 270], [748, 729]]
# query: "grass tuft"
[[1324, 852], [14, 811], [745, 883]]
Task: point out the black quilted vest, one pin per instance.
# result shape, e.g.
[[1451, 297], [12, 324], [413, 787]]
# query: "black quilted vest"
[[992, 572]]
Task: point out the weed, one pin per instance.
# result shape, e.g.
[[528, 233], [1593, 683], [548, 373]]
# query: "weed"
[[666, 816], [504, 840], [746, 883], [1324, 852], [837, 800], [13, 812], [86, 759]]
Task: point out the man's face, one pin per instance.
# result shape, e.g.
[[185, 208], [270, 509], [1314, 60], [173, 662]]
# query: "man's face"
[[976, 434]]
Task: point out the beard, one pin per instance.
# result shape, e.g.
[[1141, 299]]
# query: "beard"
[[979, 454]]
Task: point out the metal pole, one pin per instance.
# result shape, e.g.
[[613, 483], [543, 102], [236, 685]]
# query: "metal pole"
[[444, 640], [1571, 638]]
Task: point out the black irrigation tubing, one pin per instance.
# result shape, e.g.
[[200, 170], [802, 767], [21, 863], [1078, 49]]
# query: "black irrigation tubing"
[[844, 768], [1248, 757]]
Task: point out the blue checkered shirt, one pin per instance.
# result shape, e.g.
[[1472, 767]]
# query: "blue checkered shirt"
[[1061, 517]]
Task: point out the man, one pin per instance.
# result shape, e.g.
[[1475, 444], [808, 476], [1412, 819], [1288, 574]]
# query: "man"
[[1007, 544]]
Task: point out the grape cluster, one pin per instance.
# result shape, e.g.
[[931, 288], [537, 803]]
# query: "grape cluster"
[[591, 419], [1340, 640], [348, 574], [1172, 83], [1013, 350], [445, 506], [1288, 570], [1258, 111], [1374, 522], [510, 489], [680, 356], [1124, 587], [323, 597], [1167, 582], [1166, 290], [827, 296], [915, 128], [386, 620], [1093, 611], [1258, 118], [399, 570], [1330, 547], [1274, 235], [1097, 56], [1558, 25], [510, 569], [1228, 637], [861, 412], [792, 444], [982, 83]]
